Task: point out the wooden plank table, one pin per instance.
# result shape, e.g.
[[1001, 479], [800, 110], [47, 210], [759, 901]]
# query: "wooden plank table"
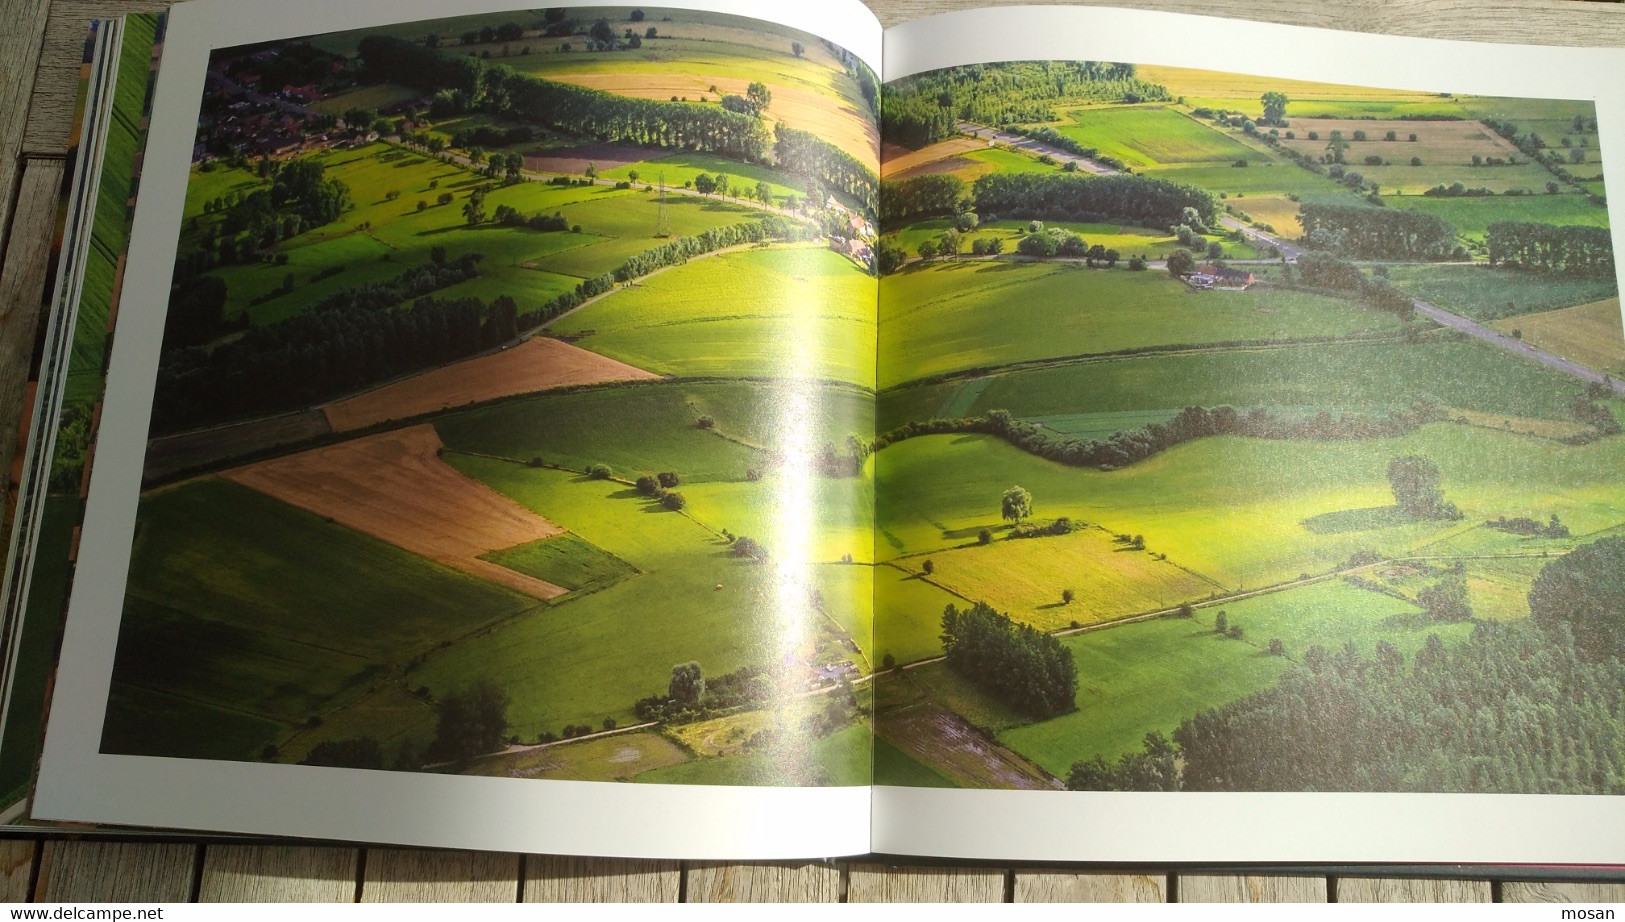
[[39, 66]]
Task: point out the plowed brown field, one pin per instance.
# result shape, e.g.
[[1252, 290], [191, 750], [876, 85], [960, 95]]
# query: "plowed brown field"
[[394, 486], [538, 364]]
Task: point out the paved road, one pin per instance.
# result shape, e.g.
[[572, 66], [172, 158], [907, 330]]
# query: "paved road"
[[1035, 147], [1495, 338]]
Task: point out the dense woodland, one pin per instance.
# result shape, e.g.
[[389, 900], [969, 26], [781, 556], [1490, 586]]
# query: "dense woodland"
[[925, 108], [1513, 710], [1021, 666]]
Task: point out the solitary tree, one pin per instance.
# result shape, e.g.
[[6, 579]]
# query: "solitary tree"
[[1274, 108], [1067, 596], [1181, 263], [759, 95], [797, 49], [687, 684], [1415, 482], [1221, 623], [928, 568], [1016, 505]]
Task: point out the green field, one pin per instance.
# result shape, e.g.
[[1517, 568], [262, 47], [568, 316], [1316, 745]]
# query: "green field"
[[229, 588], [616, 645], [1126, 239], [999, 160], [635, 429], [1137, 678], [691, 42], [1369, 378], [1261, 179], [1473, 216], [841, 759], [1243, 511], [789, 312], [680, 170], [934, 318], [1487, 294], [1023, 578], [1148, 136], [565, 561], [894, 766], [380, 238], [375, 96], [908, 614], [610, 758]]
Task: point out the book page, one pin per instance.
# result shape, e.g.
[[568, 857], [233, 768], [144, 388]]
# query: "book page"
[[488, 421], [1249, 461]]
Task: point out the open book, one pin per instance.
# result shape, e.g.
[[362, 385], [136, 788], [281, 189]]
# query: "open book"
[[1066, 434]]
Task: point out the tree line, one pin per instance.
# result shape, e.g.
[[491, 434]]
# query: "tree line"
[[1570, 249], [1026, 669], [1051, 196], [500, 89], [579, 110], [806, 154], [1363, 232], [318, 355], [924, 108], [1322, 270], [1129, 446], [1072, 197]]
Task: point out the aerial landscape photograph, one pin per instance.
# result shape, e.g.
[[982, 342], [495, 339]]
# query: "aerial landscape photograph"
[[1245, 434], [514, 408], [630, 394]]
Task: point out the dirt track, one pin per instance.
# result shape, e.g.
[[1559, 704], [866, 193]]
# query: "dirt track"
[[394, 486], [538, 364]]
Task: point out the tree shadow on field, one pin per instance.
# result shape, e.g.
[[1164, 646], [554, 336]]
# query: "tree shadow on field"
[[1410, 621], [627, 493], [1346, 520]]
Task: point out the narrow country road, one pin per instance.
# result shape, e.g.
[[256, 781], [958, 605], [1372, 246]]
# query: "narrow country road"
[[1495, 338]]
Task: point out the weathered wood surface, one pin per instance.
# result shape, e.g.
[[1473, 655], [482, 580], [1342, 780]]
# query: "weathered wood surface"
[[277, 874], [394, 875], [39, 70], [112, 871], [1089, 887], [763, 882], [1235, 888], [1401, 890], [23, 274]]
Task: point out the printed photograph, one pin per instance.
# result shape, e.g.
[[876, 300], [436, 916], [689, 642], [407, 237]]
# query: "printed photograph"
[[1244, 434], [515, 408]]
